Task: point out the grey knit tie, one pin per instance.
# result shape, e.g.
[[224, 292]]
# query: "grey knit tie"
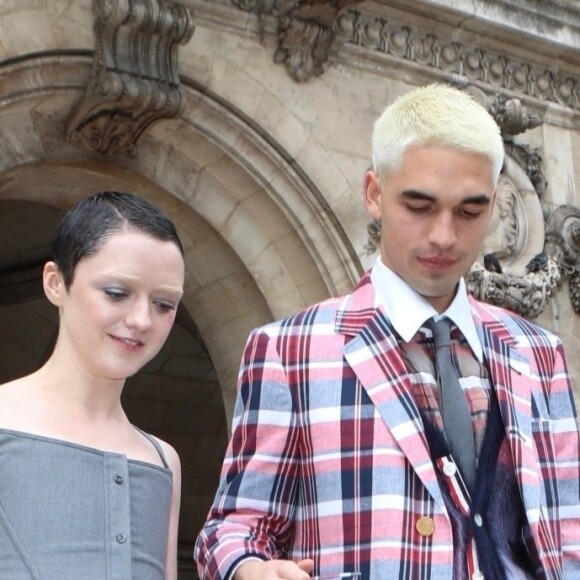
[[453, 404]]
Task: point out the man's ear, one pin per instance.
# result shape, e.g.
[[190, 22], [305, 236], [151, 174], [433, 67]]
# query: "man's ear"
[[372, 194], [53, 283], [494, 197]]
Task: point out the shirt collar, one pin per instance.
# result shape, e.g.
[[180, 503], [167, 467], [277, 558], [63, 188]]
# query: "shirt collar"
[[408, 310]]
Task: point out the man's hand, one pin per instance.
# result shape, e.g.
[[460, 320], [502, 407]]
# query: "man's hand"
[[274, 570]]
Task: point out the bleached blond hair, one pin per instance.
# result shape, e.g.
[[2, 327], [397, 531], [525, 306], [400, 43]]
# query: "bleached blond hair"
[[435, 116]]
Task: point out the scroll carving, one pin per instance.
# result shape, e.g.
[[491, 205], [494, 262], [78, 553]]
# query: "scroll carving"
[[563, 244], [511, 116], [134, 81]]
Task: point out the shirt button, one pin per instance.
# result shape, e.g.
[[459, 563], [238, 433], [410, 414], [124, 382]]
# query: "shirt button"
[[478, 520], [425, 526], [449, 469], [119, 479], [121, 538]]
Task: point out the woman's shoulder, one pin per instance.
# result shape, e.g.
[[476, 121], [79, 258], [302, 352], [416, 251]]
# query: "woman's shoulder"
[[14, 399], [167, 453], [20, 383], [171, 456]]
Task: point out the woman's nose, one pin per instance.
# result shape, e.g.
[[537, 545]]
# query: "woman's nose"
[[139, 315]]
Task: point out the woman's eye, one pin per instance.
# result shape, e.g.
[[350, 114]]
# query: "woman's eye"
[[163, 306], [115, 294]]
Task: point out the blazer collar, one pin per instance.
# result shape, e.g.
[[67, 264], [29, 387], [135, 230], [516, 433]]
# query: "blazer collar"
[[357, 308]]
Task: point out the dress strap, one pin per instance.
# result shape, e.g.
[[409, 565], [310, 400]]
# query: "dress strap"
[[155, 444]]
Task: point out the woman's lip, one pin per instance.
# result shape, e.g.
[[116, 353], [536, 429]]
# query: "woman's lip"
[[130, 343]]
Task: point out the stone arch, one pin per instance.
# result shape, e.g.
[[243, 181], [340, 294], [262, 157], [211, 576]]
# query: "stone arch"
[[261, 241]]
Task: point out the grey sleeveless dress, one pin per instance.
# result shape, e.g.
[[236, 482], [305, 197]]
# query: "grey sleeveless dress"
[[69, 512]]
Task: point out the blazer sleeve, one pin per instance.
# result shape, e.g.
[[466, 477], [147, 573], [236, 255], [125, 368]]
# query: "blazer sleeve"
[[563, 424], [254, 505]]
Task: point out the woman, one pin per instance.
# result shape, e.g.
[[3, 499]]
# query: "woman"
[[83, 493]]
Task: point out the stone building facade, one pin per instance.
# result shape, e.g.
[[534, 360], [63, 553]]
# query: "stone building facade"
[[248, 122]]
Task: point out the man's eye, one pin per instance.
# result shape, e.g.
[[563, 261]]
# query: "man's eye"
[[471, 214], [418, 208]]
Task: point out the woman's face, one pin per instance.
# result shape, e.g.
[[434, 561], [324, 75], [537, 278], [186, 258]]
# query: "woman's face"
[[121, 305]]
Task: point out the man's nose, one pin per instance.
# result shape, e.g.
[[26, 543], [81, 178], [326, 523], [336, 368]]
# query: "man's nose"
[[443, 233]]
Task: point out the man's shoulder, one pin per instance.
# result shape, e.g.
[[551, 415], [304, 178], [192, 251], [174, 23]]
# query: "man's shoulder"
[[327, 315], [486, 313], [323, 312]]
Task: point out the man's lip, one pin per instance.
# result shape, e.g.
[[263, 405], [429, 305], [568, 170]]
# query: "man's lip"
[[440, 263]]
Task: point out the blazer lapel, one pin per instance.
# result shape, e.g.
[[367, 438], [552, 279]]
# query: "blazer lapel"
[[509, 371], [373, 354]]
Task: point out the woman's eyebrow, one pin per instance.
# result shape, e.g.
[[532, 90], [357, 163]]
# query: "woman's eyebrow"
[[128, 278], [173, 289]]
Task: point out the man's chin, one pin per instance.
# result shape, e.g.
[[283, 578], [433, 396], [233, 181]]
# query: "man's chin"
[[437, 294]]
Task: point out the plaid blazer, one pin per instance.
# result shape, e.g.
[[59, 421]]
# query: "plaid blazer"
[[328, 459]]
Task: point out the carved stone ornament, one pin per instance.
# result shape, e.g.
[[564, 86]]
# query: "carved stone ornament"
[[563, 243], [307, 35], [134, 81], [527, 295]]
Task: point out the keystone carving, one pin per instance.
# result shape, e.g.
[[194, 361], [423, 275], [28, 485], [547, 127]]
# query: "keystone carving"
[[307, 33], [134, 80]]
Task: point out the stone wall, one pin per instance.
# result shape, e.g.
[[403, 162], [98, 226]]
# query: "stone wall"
[[261, 164]]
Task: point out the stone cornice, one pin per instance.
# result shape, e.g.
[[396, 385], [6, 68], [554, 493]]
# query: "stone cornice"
[[547, 27], [472, 60], [537, 62]]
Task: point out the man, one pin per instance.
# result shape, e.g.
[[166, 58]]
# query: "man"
[[341, 462]]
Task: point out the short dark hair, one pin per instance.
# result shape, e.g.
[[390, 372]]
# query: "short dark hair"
[[86, 227]]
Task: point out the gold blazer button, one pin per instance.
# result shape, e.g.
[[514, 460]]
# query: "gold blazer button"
[[425, 526]]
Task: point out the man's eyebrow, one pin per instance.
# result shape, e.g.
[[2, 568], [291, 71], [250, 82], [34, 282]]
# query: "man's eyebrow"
[[480, 199]]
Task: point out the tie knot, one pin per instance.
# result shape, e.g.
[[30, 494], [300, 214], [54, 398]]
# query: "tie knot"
[[441, 330]]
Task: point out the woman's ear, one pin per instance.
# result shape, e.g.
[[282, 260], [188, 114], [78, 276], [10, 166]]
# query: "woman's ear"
[[53, 283]]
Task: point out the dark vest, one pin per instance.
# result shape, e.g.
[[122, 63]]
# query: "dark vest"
[[495, 498]]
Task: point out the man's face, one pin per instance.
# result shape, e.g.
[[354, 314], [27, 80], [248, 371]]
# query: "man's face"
[[434, 211]]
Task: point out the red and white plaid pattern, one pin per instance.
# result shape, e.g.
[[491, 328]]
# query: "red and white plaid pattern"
[[328, 459]]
